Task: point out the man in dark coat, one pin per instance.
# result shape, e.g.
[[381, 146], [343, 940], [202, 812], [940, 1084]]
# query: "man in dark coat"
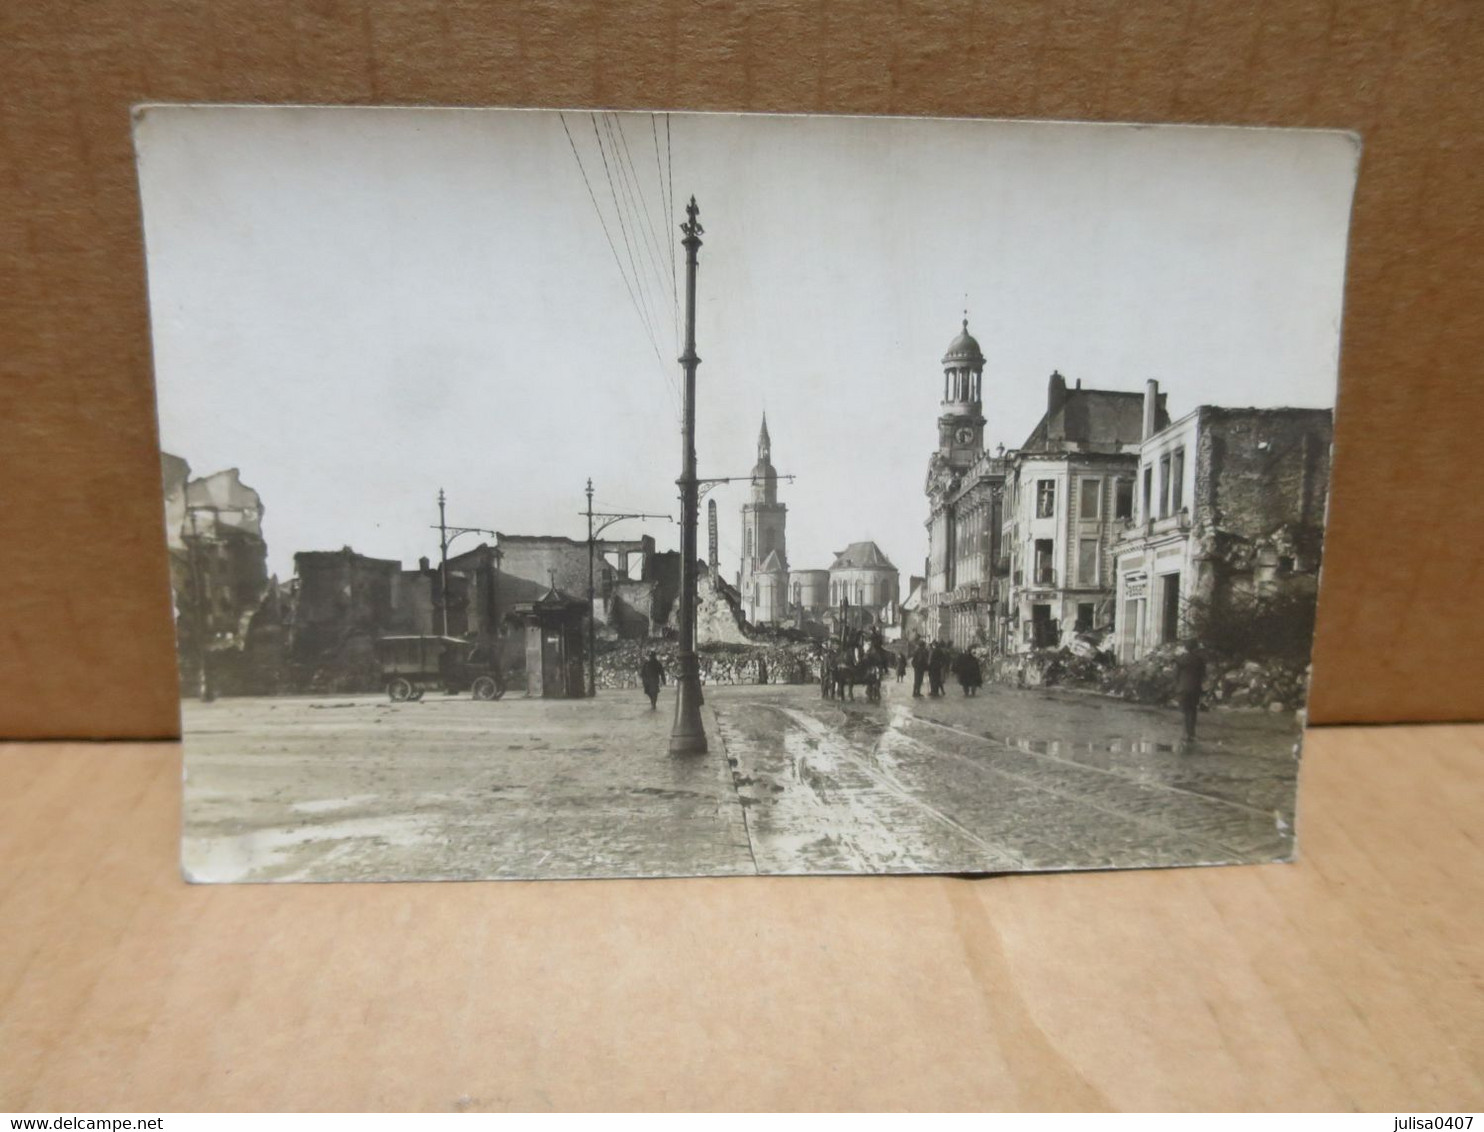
[[1190, 679], [919, 668], [937, 667], [652, 675], [901, 666], [966, 668]]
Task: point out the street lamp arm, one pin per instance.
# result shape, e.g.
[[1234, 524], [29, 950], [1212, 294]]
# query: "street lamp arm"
[[609, 518], [705, 485]]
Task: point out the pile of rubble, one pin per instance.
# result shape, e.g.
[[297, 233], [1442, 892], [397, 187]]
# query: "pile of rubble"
[[783, 662], [1273, 685], [1051, 668]]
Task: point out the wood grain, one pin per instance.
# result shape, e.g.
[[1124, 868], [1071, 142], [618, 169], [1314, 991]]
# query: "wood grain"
[[1347, 980], [86, 648]]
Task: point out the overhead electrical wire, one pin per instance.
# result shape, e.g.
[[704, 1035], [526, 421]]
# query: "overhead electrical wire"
[[654, 246], [641, 222], [668, 208], [629, 285], [623, 229]]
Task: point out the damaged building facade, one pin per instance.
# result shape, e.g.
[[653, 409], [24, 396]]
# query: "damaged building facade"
[[1112, 527], [225, 602], [342, 600], [1230, 506]]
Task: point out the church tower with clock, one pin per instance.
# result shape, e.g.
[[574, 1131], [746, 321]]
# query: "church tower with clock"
[[961, 415], [964, 490]]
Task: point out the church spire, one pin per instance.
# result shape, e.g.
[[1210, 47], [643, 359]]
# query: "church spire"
[[764, 442]]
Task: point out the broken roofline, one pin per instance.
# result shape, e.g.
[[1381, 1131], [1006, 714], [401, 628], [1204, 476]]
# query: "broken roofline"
[[1238, 411]]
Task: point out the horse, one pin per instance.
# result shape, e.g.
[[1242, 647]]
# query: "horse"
[[855, 666]]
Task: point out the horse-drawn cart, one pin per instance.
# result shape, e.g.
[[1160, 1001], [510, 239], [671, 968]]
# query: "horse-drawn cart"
[[411, 666]]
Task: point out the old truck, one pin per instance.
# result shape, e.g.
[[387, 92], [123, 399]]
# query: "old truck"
[[412, 666]]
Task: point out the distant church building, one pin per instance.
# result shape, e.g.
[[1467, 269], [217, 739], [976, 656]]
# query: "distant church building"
[[861, 578], [763, 579]]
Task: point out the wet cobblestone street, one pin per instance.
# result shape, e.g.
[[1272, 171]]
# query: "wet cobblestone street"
[[362, 789], [1006, 780]]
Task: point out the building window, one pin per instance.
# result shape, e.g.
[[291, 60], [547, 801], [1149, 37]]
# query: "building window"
[[1045, 499], [1090, 506], [1044, 575], [1123, 499], [1164, 486], [1177, 481], [1084, 616], [1087, 561], [747, 548], [1148, 493]]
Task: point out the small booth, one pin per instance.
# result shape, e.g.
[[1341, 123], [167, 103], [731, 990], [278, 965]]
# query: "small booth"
[[556, 658]]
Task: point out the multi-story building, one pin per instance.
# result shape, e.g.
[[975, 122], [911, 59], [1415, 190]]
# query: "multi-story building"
[[218, 566], [1230, 503], [965, 488], [1069, 491]]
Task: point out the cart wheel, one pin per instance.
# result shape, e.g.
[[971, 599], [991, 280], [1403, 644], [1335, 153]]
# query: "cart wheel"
[[485, 688], [400, 690]]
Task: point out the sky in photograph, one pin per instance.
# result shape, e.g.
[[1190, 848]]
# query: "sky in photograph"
[[357, 307]]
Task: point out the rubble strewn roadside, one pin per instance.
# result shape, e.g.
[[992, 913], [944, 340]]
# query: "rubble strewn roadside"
[[1271, 685], [785, 662]]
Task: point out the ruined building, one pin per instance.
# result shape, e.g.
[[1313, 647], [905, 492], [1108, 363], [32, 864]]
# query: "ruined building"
[[1228, 508], [224, 598]]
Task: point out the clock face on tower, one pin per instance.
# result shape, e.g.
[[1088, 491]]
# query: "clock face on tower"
[[964, 436]]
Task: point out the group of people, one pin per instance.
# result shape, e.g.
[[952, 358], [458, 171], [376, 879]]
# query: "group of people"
[[936, 662]]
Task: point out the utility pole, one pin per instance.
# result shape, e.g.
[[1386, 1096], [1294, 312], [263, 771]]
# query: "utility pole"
[[609, 518], [688, 736], [198, 599], [442, 566], [446, 535]]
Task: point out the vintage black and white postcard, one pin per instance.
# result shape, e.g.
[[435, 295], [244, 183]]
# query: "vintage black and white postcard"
[[571, 494]]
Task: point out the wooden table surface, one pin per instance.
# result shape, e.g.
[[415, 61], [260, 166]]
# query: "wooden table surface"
[[1351, 979]]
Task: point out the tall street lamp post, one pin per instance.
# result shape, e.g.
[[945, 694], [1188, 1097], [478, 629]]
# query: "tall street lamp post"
[[688, 737]]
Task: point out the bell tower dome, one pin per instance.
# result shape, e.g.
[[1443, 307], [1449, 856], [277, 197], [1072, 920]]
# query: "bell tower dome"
[[961, 415]]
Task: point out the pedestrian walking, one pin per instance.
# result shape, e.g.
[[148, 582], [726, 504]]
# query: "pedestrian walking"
[[652, 675], [1190, 679], [920, 661], [966, 668], [937, 668], [901, 666]]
